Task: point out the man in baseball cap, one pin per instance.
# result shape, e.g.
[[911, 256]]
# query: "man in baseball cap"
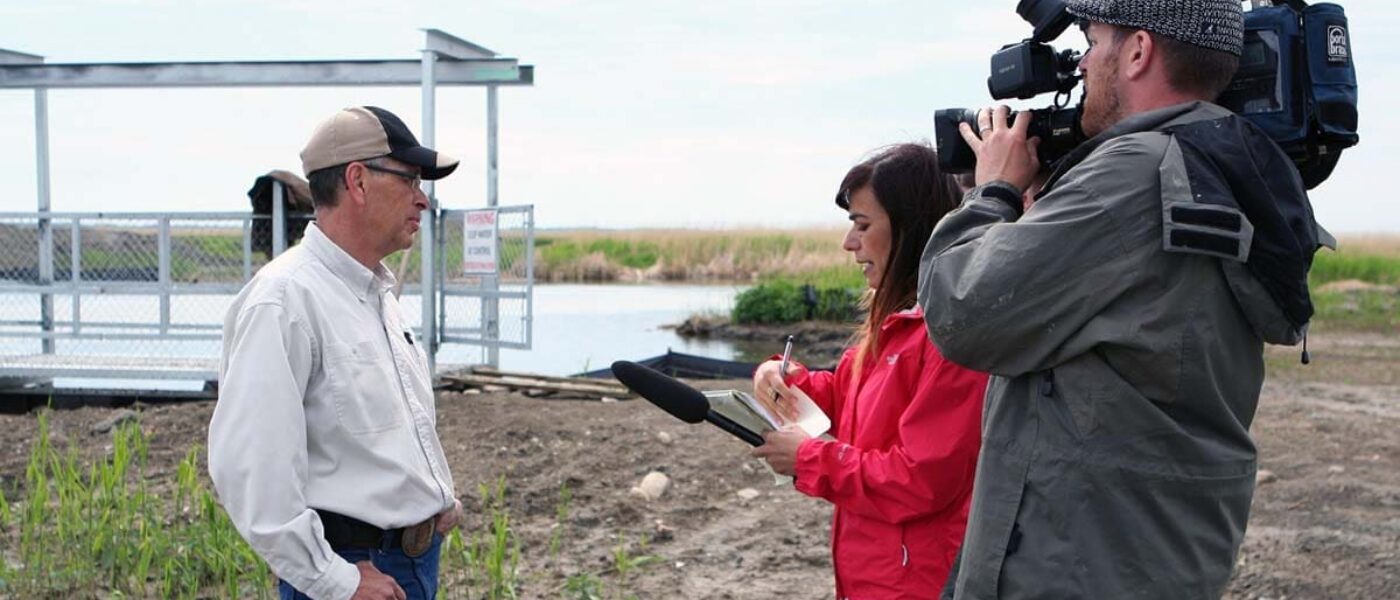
[[1124, 315], [323, 447]]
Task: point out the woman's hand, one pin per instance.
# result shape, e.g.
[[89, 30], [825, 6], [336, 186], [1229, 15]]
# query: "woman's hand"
[[780, 449], [775, 395]]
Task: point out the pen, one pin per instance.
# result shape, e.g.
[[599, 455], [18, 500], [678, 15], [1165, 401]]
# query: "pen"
[[787, 354]]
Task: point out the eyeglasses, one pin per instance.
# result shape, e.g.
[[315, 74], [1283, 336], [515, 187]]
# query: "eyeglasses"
[[413, 179]]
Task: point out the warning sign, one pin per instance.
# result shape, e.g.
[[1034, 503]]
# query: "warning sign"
[[479, 235]]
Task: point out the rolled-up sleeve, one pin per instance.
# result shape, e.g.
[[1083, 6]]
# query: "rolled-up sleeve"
[[258, 453]]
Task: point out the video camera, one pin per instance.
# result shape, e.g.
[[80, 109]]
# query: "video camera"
[[1296, 81]]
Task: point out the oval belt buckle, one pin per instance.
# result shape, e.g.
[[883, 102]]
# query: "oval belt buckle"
[[416, 539]]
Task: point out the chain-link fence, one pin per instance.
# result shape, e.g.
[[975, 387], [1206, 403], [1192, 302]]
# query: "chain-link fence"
[[158, 285], [123, 284], [478, 307]]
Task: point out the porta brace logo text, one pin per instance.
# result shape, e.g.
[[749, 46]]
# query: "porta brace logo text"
[[1337, 44]]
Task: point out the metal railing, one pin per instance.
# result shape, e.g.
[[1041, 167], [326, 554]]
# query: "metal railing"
[[134, 285]]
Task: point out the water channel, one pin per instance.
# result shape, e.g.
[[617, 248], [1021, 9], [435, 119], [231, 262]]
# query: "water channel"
[[577, 327]]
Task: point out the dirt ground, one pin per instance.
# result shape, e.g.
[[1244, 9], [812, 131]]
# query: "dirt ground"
[[1325, 524]]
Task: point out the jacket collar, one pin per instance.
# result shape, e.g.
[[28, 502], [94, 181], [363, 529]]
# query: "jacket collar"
[[1151, 120], [898, 318], [359, 279]]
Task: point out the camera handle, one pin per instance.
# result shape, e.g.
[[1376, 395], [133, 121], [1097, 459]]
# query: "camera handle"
[[1297, 5]]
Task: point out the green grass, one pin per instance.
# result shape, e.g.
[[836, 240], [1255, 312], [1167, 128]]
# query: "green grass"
[[1331, 266], [1362, 310], [227, 248], [102, 530], [108, 527], [633, 255]]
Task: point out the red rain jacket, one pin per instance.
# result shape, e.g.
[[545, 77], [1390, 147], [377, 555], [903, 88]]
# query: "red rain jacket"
[[900, 471]]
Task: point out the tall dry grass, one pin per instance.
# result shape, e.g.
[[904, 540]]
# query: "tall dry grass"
[[748, 255], [685, 254], [1376, 244]]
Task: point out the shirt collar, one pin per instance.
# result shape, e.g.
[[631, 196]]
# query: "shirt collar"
[[359, 279]]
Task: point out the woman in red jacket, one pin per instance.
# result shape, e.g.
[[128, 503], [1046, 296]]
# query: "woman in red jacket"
[[906, 421]]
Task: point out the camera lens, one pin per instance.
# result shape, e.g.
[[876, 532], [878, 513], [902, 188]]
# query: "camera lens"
[[954, 155], [1057, 128]]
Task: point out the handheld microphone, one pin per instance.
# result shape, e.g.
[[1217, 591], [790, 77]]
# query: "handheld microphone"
[[680, 400]]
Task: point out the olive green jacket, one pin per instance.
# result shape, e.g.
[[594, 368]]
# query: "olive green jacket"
[[1116, 457]]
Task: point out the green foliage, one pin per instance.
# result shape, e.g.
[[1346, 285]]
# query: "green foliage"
[[777, 301], [1331, 266], [836, 304], [782, 299], [556, 253], [81, 531], [102, 530]]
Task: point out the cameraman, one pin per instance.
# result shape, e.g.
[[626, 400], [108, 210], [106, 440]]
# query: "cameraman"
[[1124, 316]]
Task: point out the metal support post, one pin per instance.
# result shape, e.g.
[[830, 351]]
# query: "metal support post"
[[279, 221], [427, 238], [41, 161], [491, 305], [75, 270], [164, 242], [247, 250], [530, 276]]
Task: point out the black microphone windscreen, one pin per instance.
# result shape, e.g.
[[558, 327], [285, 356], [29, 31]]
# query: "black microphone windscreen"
[[682, 401]]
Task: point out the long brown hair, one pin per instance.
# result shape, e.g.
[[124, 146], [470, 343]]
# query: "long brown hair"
[[915, 194]]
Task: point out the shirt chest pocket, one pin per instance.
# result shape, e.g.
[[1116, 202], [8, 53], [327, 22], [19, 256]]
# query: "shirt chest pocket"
[[364, 387]]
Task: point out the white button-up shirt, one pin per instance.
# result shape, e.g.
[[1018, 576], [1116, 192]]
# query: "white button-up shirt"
[[325, 401]]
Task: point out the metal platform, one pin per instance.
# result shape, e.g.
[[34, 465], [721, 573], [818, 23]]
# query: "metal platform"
[[17, 370], [52, 366]]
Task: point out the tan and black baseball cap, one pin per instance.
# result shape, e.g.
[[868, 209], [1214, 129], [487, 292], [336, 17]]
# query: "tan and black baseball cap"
[[365, 132]]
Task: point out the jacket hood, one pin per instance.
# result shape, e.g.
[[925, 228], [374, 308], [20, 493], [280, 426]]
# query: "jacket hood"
[[1231, 169]]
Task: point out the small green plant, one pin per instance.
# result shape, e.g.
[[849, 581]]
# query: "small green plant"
[[561, 520], [491, 560], [624, 562], [583, 586]]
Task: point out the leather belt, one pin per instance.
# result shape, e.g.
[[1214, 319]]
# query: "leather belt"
[[348, 532]]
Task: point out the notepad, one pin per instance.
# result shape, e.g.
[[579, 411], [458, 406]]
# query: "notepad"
[[742, 408]]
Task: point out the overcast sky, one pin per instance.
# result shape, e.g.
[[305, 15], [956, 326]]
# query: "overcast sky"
[[643, 114]]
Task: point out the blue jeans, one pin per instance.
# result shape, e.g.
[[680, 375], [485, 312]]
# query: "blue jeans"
[[417, 576]]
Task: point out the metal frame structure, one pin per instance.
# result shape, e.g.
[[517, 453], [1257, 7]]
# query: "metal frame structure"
[[445, 60]]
